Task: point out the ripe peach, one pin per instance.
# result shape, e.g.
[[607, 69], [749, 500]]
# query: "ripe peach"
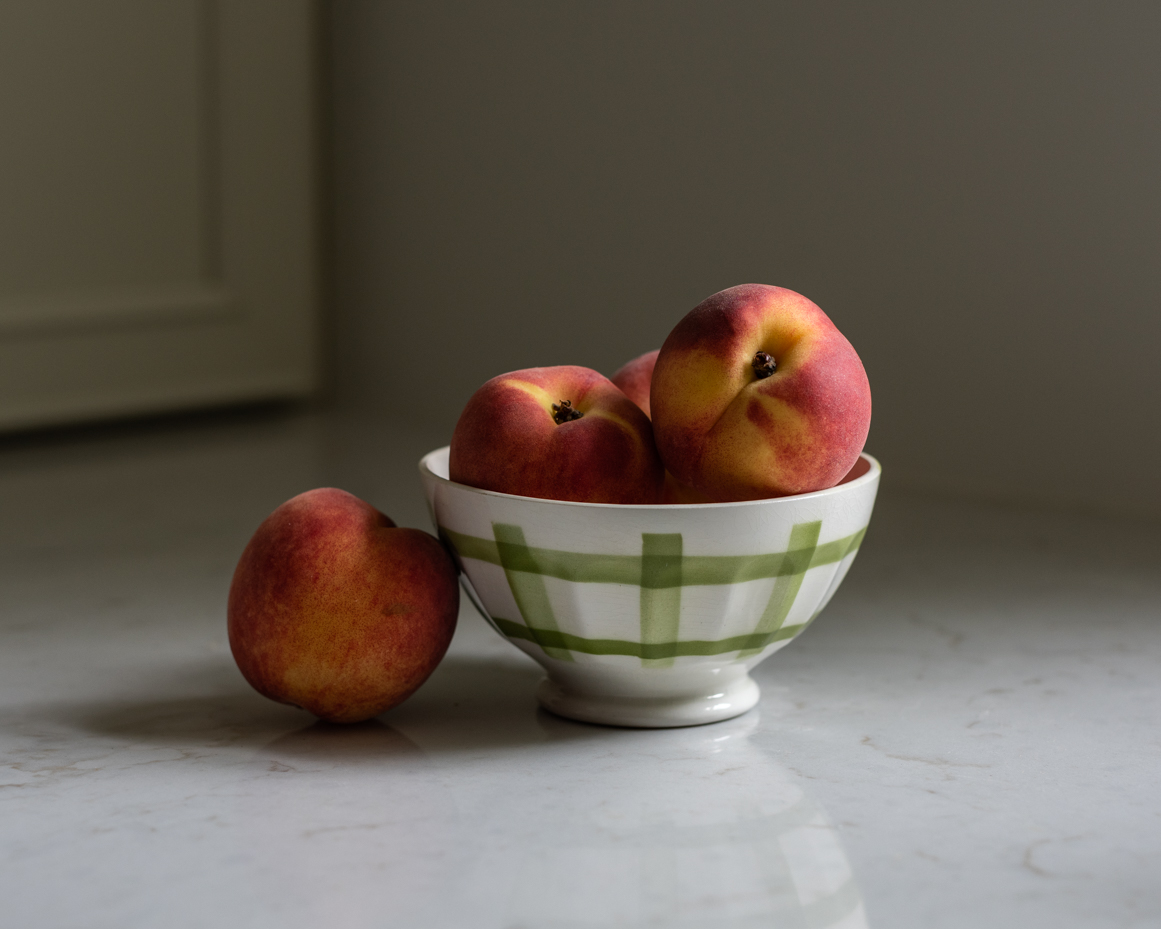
[[756, 394], [336, 610], [634, 377], [563, 433], [674, 491]]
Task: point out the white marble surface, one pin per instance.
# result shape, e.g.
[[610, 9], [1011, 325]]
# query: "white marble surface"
[[969, 736]]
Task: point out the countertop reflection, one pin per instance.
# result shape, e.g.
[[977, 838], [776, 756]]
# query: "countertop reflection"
[[494, 813]]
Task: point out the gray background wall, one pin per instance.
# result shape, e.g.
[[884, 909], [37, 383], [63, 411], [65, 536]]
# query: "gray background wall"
[[971, 191]]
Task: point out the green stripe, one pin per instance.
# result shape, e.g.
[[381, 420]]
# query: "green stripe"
[[830, 552], [627, 569], [528, 589], [554, 638], [803, 543], [661, 569], [470, 546]]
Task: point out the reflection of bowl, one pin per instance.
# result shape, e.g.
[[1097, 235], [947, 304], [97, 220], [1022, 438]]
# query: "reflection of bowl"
[[650, 615], [595, 844]]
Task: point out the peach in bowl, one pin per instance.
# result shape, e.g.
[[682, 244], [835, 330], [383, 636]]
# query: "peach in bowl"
[[650, 615]]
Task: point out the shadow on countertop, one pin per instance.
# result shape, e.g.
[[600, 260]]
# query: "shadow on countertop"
[[472, 704]]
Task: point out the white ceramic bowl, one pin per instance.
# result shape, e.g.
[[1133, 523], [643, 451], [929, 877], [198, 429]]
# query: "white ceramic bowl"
[[650, 615]]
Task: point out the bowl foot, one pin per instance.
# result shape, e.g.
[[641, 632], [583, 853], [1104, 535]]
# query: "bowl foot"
[[652, 712]]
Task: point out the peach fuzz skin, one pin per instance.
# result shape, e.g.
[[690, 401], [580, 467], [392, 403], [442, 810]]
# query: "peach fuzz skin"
[[634, 378], [506, 440], [674, 491], [733, 436], [336, 610]]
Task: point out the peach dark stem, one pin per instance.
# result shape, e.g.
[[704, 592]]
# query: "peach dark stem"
[[564, 413], [764, 365]]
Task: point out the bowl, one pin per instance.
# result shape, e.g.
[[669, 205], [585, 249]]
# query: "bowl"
[[650, 616]]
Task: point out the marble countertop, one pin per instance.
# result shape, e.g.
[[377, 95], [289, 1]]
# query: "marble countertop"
[[970, 734]]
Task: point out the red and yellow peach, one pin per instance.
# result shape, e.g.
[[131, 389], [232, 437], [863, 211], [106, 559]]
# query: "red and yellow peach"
[[336, 610], [756, 393], [561, 433]]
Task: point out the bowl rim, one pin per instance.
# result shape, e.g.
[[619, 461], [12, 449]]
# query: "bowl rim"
[[872, 475]]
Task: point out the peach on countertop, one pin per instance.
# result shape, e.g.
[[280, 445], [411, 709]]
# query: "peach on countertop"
[[336, 610]]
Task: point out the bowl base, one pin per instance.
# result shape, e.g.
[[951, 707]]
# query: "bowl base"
[[651, 712]]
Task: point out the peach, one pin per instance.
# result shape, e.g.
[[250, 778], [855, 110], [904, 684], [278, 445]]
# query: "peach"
[[336, 610], [756, 394], [674, 491], [635, 376], [562, 433]]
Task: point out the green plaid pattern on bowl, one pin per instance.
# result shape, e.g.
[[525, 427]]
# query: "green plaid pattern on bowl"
[[660, 571]]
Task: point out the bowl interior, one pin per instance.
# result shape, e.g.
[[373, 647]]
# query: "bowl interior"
[[865, 471]]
